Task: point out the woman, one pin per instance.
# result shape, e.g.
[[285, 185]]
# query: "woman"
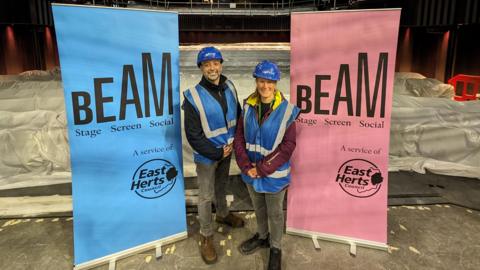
[[264, 142]]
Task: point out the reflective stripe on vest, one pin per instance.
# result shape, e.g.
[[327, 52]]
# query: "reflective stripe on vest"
[[232, 123], [280, 174], [273, 183]]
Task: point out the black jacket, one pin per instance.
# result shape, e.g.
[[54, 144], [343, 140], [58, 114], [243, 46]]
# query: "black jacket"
[[193, 127]]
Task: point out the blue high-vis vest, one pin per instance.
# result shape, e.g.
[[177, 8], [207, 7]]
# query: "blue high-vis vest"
[[218, 129], [261, 140]]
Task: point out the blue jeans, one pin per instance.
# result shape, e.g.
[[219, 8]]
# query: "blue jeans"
[[269, 212], [212, 180]]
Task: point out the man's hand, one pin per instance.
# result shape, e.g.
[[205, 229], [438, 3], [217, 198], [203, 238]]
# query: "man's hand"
[[227, 150]]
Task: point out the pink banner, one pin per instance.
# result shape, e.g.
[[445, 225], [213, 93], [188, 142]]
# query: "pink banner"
[[342, 68]]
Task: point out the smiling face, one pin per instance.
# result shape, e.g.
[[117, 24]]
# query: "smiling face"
[[211, 70], [266, 89]]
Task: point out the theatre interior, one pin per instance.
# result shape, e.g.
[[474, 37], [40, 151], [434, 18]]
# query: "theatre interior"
[[433, 209]]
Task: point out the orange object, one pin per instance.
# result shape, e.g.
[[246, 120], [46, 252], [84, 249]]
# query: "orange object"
[[466, 87]]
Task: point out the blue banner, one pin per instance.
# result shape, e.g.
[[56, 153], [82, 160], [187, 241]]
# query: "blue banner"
[[121, 81]]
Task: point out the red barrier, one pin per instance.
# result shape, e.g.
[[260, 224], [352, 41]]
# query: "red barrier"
[[466, 87]]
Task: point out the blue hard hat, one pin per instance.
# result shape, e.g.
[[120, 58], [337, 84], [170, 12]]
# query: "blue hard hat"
[[267, 70], [208, 53]]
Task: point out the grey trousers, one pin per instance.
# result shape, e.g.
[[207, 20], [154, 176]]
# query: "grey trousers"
[[269, 211], [212, 180]]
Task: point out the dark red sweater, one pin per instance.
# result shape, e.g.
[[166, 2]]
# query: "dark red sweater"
[[271, 162]]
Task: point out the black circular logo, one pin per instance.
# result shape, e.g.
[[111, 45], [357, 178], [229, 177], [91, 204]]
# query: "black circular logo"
[[359, 178], [154, 178]]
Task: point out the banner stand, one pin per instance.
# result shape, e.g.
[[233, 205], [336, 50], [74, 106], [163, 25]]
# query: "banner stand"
[[339, 188], [315, 242], [124, 130], [353, 242], [112, 258], [158, 251]]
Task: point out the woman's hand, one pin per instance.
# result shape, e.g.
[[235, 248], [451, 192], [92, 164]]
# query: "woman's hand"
[[252, 173]]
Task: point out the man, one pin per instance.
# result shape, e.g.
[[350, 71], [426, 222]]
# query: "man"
[[211, 113]]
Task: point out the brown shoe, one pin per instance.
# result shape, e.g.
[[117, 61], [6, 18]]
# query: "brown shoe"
[[231, 220], [207, 250]]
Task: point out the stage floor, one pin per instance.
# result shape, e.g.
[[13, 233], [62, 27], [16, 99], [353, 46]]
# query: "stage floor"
[[433, 223], [439, 236]]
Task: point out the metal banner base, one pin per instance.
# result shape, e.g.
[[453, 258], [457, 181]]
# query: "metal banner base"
[[112, 258], [353, 242]]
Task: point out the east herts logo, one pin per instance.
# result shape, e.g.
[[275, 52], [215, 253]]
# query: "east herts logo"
[[154, 178], [359, 178]]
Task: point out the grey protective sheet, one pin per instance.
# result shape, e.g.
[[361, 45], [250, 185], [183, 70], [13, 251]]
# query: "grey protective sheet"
[[429, 131]]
